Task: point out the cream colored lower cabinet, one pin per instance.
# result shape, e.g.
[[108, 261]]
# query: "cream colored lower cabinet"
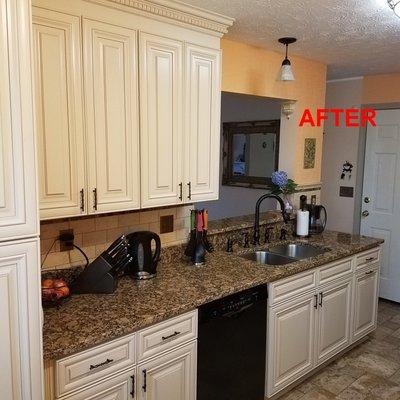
[[334, 320], [20, 321], [365, 302], [158, 362], [119, 387], [290, 342], [308, 327], [171, 376]]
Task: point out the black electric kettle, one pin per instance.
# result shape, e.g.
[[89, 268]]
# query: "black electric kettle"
[[145, 257], [317, 218]]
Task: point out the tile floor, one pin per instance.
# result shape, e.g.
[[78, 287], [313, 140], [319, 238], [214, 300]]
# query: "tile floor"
[[369, 371]]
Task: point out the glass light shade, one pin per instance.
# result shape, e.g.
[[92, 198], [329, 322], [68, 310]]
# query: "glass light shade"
[[286, 72], [395, 6]]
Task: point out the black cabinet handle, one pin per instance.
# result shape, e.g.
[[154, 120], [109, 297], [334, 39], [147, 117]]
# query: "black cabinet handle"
[[369, 272], [144, 386], [190, 191], [170, 336], [133, 387], [180, 191], [315, 301], [321, 296], [108, 361], [369, 259], [82, 193], [95, 199]]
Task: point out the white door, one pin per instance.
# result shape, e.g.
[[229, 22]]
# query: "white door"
[[365, 302], [18, 208], [20, 327], [171, 376], [334, 320], [203, 119], [381, 215], [111, 89], [119, 387], [290, 342], [59, 114], [161, 103]]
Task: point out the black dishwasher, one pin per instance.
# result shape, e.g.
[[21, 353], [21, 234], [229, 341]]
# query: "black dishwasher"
[[232, 347]]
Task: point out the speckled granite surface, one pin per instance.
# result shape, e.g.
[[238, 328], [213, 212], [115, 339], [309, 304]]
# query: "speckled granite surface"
[[87, 320]]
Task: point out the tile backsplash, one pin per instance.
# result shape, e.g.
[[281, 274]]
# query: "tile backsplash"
[[95, 233]]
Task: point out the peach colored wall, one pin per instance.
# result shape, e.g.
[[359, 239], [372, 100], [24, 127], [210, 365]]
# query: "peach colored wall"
[[381, 89], [252, 70]]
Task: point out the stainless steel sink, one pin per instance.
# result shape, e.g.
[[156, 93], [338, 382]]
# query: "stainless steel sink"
[[266, 257], [298, 251]]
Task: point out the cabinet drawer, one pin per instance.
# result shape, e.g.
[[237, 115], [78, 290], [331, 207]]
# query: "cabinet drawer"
[[166, 335], [368, 257], [338, 269], [292, 286], [86, 368]]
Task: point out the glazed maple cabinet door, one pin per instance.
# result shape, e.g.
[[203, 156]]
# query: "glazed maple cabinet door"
[[20, 328], [59, 114], [291, 340], [365, 302], [171, 376], [161, 103], [18, 208], [119, 387], [202, 128], [334, 320], [111, 75]]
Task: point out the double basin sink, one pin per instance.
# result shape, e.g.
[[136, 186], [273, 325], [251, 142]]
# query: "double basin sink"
[[284, 254]]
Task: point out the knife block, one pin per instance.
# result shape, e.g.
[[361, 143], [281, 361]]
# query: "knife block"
[[95, 278]]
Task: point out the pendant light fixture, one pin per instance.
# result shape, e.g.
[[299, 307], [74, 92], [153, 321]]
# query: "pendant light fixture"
[[395, 6], [286, 69]]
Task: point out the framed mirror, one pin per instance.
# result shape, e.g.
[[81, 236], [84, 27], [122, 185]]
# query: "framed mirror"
[[250, 153]]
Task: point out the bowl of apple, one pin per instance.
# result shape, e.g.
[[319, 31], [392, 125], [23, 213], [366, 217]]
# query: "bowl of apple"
[[54, 292]]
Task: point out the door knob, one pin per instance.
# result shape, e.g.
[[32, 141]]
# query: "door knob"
[[365, 213], [367, 199]]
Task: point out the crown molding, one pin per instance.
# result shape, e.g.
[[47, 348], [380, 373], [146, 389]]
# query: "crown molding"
[[175, 11]]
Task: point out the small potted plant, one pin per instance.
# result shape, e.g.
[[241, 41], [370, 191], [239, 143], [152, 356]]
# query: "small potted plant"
[[284, 187]]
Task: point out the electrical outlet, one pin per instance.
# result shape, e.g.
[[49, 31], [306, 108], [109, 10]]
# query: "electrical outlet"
[[66, 238], [166, 223]]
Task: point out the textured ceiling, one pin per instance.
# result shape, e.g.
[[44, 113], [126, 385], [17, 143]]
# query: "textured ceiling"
[[353, 37]]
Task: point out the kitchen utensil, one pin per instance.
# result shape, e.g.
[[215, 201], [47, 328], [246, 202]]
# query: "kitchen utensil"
[[144, 259]]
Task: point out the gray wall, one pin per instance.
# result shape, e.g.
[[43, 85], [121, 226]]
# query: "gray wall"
[[340, 144], [236, 201]]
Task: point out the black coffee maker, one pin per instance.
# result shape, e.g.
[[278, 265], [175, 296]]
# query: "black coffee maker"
[[145, 255], [317, 215]]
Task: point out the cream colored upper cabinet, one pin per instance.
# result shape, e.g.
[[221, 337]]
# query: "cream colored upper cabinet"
[[18, 207], [59, 111], [161, 104], [111, 74], [202, 127], [20, 328]]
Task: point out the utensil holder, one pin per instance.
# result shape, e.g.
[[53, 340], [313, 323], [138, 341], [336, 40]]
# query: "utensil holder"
[[96, 278]]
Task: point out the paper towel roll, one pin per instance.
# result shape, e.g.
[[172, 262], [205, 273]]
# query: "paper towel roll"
[[302, 223]]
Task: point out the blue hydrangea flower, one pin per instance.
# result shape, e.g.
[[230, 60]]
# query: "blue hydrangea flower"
[[279, 178]]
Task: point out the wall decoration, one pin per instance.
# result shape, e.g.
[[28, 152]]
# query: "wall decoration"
[[310, 145], [347, 170]]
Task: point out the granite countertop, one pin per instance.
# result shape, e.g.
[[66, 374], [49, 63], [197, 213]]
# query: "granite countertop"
[[245, 221], [84, 321]]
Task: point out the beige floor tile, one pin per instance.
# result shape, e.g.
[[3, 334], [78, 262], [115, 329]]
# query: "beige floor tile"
[[333, 381], [318, 394]]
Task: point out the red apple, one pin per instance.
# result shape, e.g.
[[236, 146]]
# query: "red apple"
[[59, 283], [47, 283]]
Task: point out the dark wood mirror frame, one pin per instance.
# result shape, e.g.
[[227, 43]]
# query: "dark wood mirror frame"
[[248, 127]]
